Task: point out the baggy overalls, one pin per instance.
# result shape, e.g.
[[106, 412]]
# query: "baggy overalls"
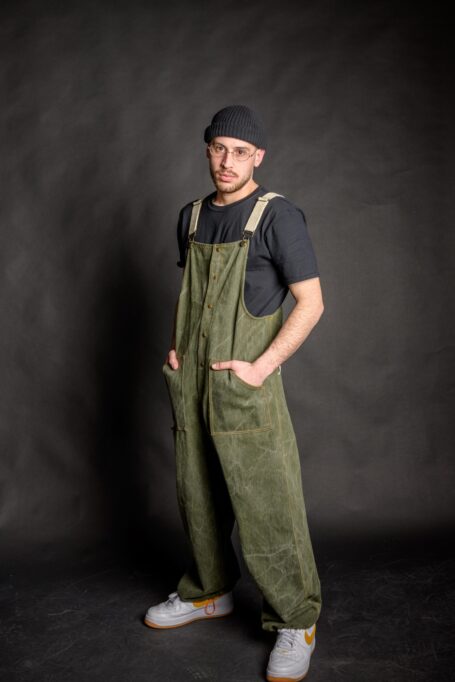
[[236, 453]]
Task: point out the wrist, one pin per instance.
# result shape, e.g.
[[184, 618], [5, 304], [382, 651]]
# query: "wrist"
[[265, 365]]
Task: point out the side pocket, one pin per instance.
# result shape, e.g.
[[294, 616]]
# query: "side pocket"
[[174, 383], [235, 406]]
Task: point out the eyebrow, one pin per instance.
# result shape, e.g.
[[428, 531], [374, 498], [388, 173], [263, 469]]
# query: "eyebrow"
[[239, 147]]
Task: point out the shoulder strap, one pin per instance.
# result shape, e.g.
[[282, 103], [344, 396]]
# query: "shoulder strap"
[[253, 220], [194, 218], [256, 213]]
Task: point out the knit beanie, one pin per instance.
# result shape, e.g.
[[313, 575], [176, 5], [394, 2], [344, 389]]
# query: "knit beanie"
[[239, 122]]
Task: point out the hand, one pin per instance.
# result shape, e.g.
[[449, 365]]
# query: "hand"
[[172, 359], [247, 371]]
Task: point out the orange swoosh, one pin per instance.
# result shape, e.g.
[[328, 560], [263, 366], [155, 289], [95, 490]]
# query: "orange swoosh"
[[309, 638], [200, 604]]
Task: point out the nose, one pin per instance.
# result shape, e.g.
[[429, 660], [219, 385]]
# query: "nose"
[[226, 162]]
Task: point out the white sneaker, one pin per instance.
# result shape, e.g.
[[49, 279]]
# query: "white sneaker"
[[174, 612], [290, 657]]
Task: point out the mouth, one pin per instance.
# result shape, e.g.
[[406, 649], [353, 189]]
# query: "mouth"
[[225, 177]]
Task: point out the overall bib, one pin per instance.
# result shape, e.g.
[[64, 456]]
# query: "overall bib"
[[236, 453]]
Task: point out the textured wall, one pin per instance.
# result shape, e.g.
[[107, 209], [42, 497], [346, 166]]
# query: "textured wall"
[[102, 108]]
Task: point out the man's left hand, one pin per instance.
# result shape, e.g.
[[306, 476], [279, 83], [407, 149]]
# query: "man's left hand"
[[248, 372]]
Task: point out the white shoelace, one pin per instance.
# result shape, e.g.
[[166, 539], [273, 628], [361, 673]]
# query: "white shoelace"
[[173, 601], [286, 639]]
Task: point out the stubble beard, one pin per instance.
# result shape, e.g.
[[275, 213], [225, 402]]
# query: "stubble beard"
[[225, 188]]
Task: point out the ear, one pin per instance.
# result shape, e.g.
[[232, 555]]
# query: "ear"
[[260, 153], [207, 153]]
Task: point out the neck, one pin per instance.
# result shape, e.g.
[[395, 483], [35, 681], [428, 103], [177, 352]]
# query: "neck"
[[225, 198]]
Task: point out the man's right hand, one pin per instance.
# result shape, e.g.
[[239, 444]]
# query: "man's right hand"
[[172, 359]]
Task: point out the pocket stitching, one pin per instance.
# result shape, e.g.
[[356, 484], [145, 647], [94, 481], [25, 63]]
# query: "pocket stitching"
[[245, 383], [266, 427]]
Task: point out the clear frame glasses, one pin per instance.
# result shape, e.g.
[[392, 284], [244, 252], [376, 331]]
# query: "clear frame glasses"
[[238, 153]]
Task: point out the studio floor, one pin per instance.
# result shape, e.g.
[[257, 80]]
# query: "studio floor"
[[388, 615]]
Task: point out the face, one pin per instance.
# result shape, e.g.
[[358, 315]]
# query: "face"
[[228, 174]]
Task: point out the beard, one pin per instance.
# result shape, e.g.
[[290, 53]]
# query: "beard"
[[228, 187]]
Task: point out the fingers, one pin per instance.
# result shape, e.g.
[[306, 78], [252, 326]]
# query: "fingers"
[[228, 364], [172, 360]]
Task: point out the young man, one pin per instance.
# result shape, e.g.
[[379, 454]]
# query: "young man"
[[243, 248]]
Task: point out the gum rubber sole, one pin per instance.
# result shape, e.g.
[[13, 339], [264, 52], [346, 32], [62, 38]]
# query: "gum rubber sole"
[[155, 626], [271, 678], [285, 679]]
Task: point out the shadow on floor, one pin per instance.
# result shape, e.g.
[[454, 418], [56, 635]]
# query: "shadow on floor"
[[388, 615]]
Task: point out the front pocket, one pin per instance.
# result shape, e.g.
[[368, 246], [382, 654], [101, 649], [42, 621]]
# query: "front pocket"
[[235, 406], [174, 383]]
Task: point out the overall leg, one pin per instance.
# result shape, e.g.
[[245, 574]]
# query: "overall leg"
[[207, 516], [262, 471]]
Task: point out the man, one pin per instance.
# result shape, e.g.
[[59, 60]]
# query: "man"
[[243, 248]]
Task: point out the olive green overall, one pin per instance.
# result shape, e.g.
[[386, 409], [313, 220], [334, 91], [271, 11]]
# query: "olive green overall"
[[236, 453]]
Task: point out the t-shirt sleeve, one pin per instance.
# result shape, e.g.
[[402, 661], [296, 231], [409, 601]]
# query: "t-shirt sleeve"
[[289, 244]]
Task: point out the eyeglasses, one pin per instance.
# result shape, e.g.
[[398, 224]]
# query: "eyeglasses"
[[238, 153]]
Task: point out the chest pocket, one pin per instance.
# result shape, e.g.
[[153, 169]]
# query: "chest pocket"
[[235, 406]]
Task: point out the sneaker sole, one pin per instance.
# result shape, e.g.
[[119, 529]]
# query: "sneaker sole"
[[269, 678], [151, 624]]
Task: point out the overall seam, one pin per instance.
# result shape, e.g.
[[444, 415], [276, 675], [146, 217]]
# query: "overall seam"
[[286, 467]]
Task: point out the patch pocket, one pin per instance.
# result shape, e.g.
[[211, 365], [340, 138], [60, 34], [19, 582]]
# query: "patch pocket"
[[174, 383], [235, 406]]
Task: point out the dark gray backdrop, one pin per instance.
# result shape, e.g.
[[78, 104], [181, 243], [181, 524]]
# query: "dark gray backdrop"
[[103, 107]]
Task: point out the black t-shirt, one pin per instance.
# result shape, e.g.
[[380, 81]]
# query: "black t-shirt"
[[280, 251]]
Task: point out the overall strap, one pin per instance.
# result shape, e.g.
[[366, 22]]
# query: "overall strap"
[[194, 218], [256, 214]]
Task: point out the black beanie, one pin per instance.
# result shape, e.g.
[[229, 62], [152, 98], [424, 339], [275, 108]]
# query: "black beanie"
[[237, 121]]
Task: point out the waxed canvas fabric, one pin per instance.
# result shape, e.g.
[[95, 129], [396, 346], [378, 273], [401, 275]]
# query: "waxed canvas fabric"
[[236, 453]]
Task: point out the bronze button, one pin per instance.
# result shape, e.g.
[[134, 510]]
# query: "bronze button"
[[213, 276], [217, 248], [202, 364], [204, 335], [242, 243], [209, 305]]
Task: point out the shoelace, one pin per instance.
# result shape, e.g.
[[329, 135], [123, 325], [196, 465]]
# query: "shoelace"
[[290, 642], [174, 602], [287, 639], [171, 601]]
